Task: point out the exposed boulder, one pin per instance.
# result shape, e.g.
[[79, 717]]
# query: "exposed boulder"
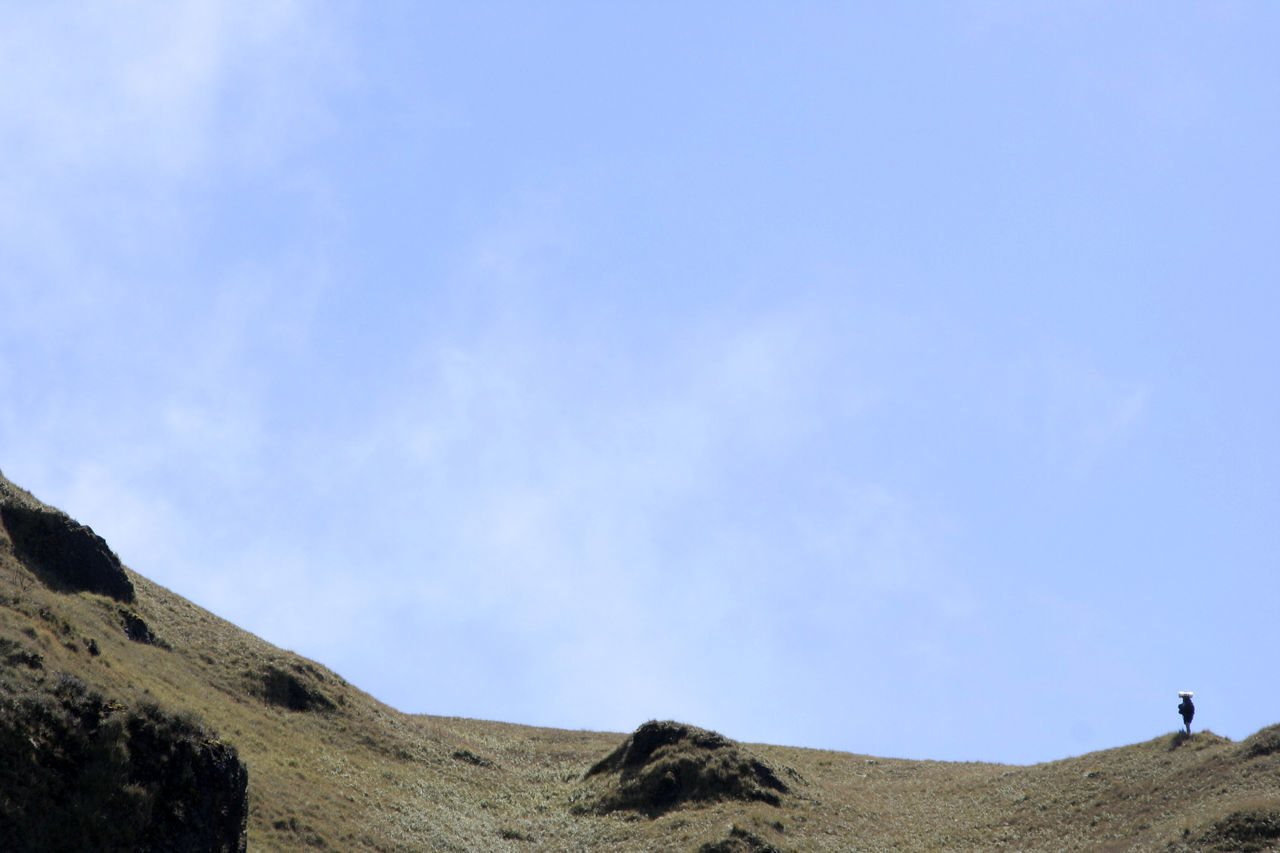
[[665, 764], [64, 554], [137, 629]]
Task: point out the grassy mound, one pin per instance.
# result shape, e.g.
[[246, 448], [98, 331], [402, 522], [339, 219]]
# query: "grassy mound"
[[294, 688], [1250, 828], [665, 764], [1261, 743]]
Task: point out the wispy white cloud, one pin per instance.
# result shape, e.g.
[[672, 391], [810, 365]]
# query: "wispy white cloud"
[[156, 89], [544, 432], [132, 351], [112, 115], [609, 524]]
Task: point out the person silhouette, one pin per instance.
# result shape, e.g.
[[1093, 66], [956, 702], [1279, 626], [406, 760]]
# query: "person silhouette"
[[1187, 709]]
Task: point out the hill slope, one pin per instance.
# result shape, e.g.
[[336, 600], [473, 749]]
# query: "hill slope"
[[147, 705]]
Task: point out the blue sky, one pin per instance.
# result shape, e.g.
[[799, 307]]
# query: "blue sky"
[[893, 380]]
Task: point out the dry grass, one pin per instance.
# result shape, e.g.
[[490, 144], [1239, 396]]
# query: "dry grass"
[[331, 768]]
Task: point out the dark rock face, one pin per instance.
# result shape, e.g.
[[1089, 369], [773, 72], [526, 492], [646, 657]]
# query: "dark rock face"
[[136, 628], [200, 800], [665, 764], [80, 773], [63, 554]]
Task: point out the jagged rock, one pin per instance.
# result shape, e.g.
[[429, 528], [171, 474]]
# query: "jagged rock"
[[65, 555], [200, 801], [81, 773], [15, 654], [136, 628], [664, 764]]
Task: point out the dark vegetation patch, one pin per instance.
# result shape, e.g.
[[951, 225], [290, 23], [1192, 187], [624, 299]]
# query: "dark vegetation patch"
[[78, 772], [294, 688], [56, 622], [15, 654], [472, 758], [303, 833], [665, 764], [740, 840], [510, 833], [63, 554], [1253, 828], [1195, 742]]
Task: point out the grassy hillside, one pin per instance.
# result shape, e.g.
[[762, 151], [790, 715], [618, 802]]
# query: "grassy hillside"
[[331, 768]]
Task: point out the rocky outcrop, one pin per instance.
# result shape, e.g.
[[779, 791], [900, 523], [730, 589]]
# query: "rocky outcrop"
[[136, 629], [199, 784], [664, 764], [64, 554], [78, 772]]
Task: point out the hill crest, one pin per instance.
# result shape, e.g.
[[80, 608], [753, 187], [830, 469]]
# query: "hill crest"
[[330, 767]]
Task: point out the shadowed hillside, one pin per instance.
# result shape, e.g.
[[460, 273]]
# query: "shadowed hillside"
[[129, 718]]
